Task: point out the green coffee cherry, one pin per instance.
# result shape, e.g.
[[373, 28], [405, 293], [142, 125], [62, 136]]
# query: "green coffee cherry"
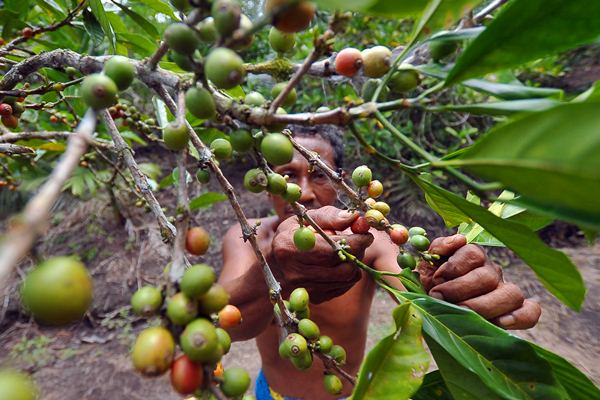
[[292, 193], [146, 301], [304, 239], [181, 309], [235, 382], [325, 344], [296, 345], [197, 280], [419, 242], [291, 97], [254, 99], [338, 353], [221, 148], [333, 384], [200, 103], [203, 176], [280, 41], [299, 299], [224, 339], [303, 362], [255, 180], [308, 329], [361, 176], [276, 184], [417, 230], [241, 140], [406, 260]]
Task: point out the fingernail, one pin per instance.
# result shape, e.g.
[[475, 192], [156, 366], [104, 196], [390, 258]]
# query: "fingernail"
[[507, 320], [437, 295]]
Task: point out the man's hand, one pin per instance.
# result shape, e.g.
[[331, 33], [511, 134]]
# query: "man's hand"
[[320, 270], [466, 277]]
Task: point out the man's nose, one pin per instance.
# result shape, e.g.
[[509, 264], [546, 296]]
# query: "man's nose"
[[308, 194]]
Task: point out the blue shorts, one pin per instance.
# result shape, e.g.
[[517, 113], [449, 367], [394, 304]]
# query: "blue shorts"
[[264, 392]]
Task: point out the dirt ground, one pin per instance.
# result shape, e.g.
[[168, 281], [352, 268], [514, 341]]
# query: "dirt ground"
[[90, 360]]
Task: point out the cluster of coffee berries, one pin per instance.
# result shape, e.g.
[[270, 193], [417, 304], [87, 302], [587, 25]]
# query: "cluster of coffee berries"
[[417, 238], [198, 315], [17, 385], [375, 217], [99, 90], [11, 109], [132, 118], [299, 346]]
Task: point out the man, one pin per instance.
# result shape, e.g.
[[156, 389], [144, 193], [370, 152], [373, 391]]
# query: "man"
[[341, 294]]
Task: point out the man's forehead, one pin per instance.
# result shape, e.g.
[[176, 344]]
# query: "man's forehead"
[[319, 145]]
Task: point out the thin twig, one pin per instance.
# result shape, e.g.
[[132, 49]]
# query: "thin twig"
[[158, 54], [11, 149], [167, 229], [48, 135], [33, 221]]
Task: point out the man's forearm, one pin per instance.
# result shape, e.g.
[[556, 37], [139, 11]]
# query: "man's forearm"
[[250, 294]]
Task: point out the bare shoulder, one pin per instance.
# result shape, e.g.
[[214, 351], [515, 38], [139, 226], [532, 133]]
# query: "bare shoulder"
[[382, 252]]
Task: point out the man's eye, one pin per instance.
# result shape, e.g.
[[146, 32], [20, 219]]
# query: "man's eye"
[[319, 176]]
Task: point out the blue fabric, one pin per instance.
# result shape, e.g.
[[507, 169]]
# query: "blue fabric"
[[262, 387]]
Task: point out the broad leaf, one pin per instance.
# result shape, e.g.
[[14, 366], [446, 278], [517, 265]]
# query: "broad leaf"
[[552, 267], [93, 28], [526, 30], [161, 7], [500, 107], [433, 387], [98, 11], [206, 200], [395, 367], [141, 21], [456, 35], [507, 365], [550, 158]]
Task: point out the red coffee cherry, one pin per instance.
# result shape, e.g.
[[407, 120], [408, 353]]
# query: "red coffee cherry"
[[348, 62], [360, 226]]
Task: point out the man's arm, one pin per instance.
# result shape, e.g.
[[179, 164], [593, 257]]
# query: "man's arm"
[[465, 276], [243, 278]]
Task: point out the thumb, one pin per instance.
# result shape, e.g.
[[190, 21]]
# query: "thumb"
[[333, 218]]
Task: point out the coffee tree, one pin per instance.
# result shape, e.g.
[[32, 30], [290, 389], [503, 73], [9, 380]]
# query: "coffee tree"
[[71, 69]]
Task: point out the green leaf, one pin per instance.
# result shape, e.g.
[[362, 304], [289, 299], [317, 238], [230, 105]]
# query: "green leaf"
[[526, 30], [93, 28], [579, 386], [452, 216], [552, 267], [592, 94], [141, 21], [21, 7], [457, 35], [161, 7], [151, 170], [100, 14], [52, 8], [433, 387], [550, 158], [142, 44], [502, 91], [446, 13], [395, 367], [206, 200], [505, 364], [131, 137], [500, 107]]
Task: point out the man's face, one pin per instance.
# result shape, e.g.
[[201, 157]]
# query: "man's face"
[[317, 189]]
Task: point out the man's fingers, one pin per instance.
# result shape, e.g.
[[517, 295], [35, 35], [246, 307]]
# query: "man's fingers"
[[446, 246], [524, 317], [475, 283], [330, 217], [505, 299], [357, 242], [426, 271], [465, 259]]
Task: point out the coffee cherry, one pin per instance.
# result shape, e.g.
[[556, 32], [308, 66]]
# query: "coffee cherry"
[[360, 225], [299, 299], [181, 309], [361, 176], [338, 353], [153, 351], [382, 207], [291, 97], [255, 180], [181, 5], [348, 62], [120, 70], [245, 26], [406, 260], [230, 316], [284, 350], [146, 301], [303, 361], [181, 38], [5, 110], [175, 136], [203, 176], [333, 384], [399, 234], [224, 68], [200, 103], [214, 300], [71, 72], [277, 149], [308, 329], [276, 308], [296, 345], [16, 385], [206, 30], [254, 99], [276, 184], [224, 339], [186, 375], [196, 280], [376, 61], [325, 344], [235, 382], [281, 42], [292, 193], [197, 241], [375, 189], [27, 32], [10, 121], [183, 61], [303, 313], [18, 108], [440, 50], [370, 202], [199, 340], [221, 148], [241, 140], [226, 15], [293, 18], [98, 91], [53, 119], [374, 218], [404, 80], [304, 239], [419, 242], [417, 230]]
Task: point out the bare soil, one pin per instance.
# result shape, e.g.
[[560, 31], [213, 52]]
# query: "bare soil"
[[89, 360]]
